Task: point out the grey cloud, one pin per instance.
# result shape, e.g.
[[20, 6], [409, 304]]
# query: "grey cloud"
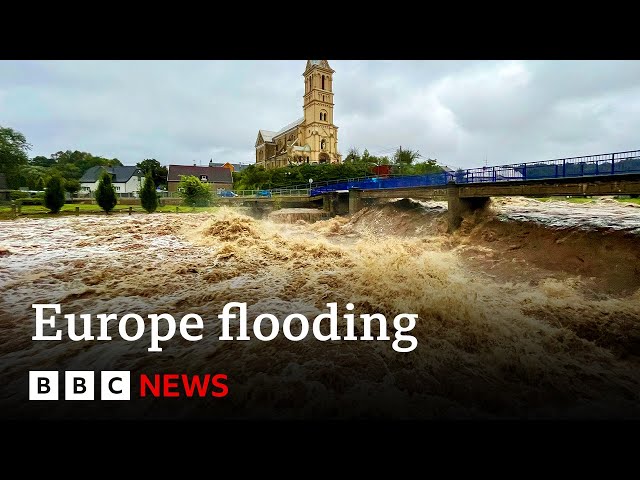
[[456, 111]]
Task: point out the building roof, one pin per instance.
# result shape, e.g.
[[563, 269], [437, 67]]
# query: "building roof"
[[214, 174], [289, 127], [120, 174], [267, 135], [3, 182], [238, 167]]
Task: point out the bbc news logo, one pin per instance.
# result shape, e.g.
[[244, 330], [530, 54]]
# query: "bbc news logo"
[[116, 385]]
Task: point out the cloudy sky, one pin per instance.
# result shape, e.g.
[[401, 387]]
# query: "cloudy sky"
[[459, 112]]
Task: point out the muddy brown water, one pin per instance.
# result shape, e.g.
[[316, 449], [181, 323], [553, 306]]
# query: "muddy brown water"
[[529, 310]]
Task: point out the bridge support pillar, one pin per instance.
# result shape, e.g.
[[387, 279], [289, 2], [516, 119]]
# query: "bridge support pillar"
[[355, 200], [336, 203], [459, 207]]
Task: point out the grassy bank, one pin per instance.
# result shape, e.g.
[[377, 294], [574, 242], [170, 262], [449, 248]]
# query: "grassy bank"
[[38, 211]]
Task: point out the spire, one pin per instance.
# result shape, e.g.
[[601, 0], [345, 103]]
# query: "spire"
[[324, 64]]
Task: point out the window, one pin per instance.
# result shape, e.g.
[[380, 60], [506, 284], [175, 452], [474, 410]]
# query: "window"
[[86, 189], [322, 145], [322, 82], [203, 178], [117, 188]]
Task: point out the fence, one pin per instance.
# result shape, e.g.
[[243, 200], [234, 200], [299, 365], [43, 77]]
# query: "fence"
[[593, 165]]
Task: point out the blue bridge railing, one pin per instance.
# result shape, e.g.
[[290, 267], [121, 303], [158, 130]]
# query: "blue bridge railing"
[[593, 165]]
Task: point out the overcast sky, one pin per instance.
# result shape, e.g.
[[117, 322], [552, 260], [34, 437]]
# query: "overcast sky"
[[459, 112]]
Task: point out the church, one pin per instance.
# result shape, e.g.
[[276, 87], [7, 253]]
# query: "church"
[[312, 138]]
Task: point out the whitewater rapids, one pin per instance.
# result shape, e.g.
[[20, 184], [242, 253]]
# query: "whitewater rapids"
[[521, 313]]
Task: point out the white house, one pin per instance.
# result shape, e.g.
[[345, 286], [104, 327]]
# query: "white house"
[[126, 181]]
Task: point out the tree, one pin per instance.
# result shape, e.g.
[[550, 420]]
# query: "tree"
[[428, 167], [72, 186], [13, 155], [194, 192], [405, 157], [105, 193], [353, 156], [39, 185], [54, 194], [41, 161], [148, 195], [158, 172]]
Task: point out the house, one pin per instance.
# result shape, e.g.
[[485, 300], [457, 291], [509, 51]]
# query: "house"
[[126, 180], [312, 138], [217, 177]]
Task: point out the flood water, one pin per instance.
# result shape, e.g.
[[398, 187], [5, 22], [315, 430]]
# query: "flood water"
[[531, 309]]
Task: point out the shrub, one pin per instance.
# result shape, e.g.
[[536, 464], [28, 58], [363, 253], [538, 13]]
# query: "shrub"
[[16, 194], [54, 194], [148, 195], [105, 193], [30, 201], [193, 192]]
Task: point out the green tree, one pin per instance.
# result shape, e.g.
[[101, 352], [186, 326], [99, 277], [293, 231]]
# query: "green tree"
[[13, 155], [54, 194], [426, 168], [39, 184], [353, 156], [72, 186], [194, 192], [158, 172], [405, 157], [148, 195], [105, 193], [41, 161]]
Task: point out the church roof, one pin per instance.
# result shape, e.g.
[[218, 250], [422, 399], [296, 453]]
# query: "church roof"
[[267, 135], [289, 127]]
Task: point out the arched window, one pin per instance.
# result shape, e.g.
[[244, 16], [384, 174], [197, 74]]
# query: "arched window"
[[322, 145], [322, 82]]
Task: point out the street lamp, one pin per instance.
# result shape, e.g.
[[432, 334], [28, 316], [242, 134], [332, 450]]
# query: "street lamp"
[[310, 182]]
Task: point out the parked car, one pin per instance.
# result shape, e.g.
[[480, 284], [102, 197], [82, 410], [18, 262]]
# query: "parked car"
[[227, 193], [263, 193]]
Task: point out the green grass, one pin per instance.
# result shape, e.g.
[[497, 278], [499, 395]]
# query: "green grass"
[[629, 200], [39, 211]]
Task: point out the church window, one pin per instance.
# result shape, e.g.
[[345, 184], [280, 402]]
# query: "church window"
[[322, 82]]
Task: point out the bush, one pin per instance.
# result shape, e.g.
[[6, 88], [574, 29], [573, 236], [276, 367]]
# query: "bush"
[[193, 192], [105, 193], [148, 195], [72, 186], [16, 194], [54, 194], [30, 201]]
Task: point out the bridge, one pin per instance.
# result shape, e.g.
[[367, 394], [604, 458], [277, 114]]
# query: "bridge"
[[468, 190]]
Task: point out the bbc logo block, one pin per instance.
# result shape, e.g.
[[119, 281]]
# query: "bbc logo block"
[[79, 385]]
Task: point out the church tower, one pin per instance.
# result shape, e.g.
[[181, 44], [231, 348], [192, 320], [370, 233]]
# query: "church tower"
[[319, 131], [310, 139]]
